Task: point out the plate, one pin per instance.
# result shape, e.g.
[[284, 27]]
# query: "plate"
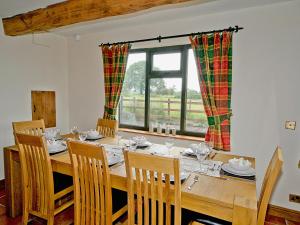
[[246, 173], [143, 145], [56, 148], [94, 138]]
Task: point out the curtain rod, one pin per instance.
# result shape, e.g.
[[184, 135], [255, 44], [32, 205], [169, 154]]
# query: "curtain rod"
[[159, 38]]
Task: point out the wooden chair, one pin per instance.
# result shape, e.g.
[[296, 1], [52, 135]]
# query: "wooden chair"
[[106, 127], [38, 186], [34, 127], [92, 184], [150, 176], [268, 185]]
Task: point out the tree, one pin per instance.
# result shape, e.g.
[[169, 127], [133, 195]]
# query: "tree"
[[135, 80]]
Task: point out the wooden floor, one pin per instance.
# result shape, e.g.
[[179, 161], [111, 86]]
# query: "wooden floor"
[[66, 217]]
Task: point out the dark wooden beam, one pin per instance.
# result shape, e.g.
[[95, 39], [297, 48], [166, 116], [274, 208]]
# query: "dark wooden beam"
[[75, 11]]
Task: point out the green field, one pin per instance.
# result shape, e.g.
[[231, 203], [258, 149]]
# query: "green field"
[[163, 109]]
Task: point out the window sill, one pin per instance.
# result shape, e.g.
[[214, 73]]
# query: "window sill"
[[179, 137]]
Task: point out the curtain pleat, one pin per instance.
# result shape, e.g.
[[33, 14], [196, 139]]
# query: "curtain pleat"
[[213, 54], [114, 64]]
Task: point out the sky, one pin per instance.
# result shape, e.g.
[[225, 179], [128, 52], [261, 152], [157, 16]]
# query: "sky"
[[171, 61]]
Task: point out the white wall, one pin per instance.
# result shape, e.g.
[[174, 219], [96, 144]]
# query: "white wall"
[[25, 67], [265, 79]]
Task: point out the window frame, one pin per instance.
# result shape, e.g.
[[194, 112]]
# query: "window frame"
[[151, 74]]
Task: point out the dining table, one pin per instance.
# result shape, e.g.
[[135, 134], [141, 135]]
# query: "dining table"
[[225, 197]]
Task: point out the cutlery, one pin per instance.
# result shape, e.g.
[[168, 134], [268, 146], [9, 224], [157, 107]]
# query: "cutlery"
[[117, 164], [213, 155], [196, 179]]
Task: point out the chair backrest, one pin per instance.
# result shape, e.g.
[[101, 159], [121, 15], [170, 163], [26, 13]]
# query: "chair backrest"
[[268, 184], [107, 128], [37, 177], [149, 177], [92, 185], [34, 127]]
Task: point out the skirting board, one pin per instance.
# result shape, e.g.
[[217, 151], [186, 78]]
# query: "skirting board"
[[285, 213], [2, 184]]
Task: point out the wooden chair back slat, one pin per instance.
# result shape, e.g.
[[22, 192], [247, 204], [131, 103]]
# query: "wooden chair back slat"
[[268, 184], [34, 127], [36, 174], [107, 128], [92, 184], [148, 177]]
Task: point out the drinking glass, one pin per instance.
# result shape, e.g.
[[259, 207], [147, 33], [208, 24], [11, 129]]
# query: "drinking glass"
[[82, 136], [50, 134]]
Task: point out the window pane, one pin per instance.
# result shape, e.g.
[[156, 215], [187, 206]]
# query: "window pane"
[[132, 102], [196, 120], [165, 62], [165, 101]]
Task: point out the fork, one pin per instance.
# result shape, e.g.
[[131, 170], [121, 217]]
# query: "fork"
[[196, 179]]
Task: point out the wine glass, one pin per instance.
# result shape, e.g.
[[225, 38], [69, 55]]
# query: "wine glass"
[[132, 144], [82, 136], [201, 157], [75, 131], [119, 137], [210, 143], [169, 144]]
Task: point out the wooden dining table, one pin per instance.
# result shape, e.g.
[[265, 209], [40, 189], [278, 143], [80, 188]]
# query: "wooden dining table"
[[225, 197]]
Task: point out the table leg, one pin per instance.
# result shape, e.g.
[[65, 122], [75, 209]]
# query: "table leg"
[[13, 183], [244, 211]]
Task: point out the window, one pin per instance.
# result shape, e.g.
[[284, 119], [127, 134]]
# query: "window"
[[132, 101], [165, 101], [161, 87]]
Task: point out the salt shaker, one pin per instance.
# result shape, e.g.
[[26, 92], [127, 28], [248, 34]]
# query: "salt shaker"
[[167, 130], [173, 131]]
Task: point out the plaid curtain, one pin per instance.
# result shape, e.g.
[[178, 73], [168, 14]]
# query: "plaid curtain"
[[114, 63], [213, 54]]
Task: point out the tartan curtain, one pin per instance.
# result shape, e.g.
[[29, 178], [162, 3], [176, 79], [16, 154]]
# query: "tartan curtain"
[[213, 54], [114, 64]]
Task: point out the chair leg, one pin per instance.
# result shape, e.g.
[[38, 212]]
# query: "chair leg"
[[50, 220], [25, 217]]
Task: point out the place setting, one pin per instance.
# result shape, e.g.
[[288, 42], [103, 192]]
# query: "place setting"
[[55, 142], [134, 143], [240, 168], [198, 158]]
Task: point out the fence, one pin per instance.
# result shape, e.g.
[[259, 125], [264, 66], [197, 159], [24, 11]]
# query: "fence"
[[133, 103]]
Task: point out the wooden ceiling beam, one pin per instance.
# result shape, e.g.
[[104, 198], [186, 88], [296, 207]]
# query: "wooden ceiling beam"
[[75, 11]]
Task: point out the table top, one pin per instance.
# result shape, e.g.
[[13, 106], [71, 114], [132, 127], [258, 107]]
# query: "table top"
[[212, 195]]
